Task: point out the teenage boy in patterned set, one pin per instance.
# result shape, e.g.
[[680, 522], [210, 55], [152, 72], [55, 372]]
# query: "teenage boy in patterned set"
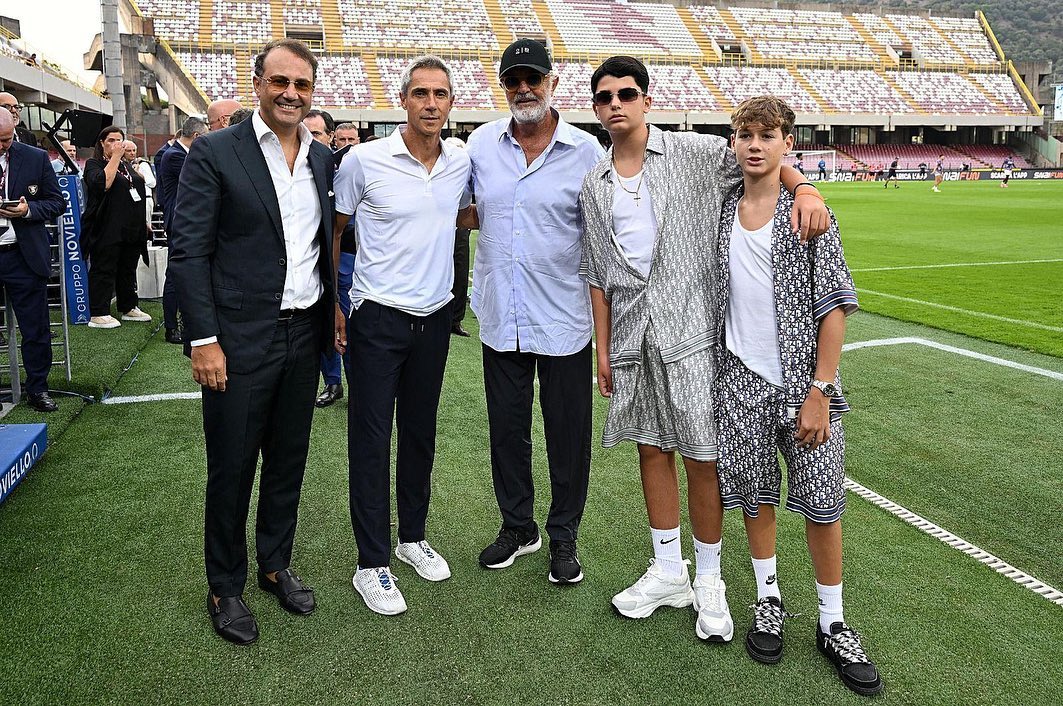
[[783, 305], [650, 212]]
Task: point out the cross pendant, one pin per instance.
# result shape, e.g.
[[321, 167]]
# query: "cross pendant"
[[637, 199]]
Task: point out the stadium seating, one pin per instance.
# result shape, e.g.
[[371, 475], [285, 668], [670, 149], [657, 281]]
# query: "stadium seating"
[[521, 18], [472, 91], [302, 12], [938, 92], [993, 155], [1001, 88], [877, 28], [214, 72], [573, 90], [738, 83], [927, 42], [678, 87], [240, 22], [711, 23], [861, 91], [412, 24], [176, 20], [342, 82], [967, 34], [642, 29]]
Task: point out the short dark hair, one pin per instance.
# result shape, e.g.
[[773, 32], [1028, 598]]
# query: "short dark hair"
[[193, 125], [294, 46], [330, 124], [767, 111], [619, 67], [98, 154], [239, 115]]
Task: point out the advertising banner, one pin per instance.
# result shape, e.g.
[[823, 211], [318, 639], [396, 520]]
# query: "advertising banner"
[[75, 270], [21, 445]]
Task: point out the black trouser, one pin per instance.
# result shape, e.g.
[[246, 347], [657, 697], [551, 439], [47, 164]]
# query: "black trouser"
[[27, 297], [113, 270], [169, 299], [565, 398], [461, 275], [397, 363], [266, 411]]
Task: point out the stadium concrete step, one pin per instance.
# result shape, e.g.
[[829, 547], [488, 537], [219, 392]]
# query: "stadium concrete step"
[[498, 94], [725, 104], [244, 71], [206, 21], [332, 23], [376, 82], [708, 54], [824, 106], [739, 33], [276, 16], [497, 18], [903, 93], [869, 39], [547, 21]]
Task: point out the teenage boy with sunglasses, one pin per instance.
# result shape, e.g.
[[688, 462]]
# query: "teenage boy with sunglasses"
[[778, 389], [651, 211]]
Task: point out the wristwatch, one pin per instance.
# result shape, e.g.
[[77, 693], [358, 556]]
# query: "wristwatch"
[[829, 389]]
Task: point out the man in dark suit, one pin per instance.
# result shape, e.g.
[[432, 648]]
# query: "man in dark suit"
[[26, 176], [22, 133], [250, 251]]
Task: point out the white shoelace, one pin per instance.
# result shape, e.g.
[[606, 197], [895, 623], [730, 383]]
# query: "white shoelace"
[[767, 618], [847, 645]]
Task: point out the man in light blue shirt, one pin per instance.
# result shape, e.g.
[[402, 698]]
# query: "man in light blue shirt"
[[533, 308]]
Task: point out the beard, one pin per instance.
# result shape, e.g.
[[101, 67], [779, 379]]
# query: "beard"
[[534, 113]]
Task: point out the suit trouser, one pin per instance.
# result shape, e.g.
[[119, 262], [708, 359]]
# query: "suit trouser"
[[330, 360], [461, 275], [170, 304], [565, 398], [113, 269], [397, 363], [267, 411], [27, 296]]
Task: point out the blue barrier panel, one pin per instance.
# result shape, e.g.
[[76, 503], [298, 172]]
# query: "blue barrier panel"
[[20, 447], [74, 270]]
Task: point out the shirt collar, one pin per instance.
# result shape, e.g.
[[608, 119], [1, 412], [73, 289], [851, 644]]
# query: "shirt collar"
[[655, 144], [398, 145], [261, 130], [562, 133]]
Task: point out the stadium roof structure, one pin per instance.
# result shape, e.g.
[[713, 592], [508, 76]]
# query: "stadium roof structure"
[[888, 69]]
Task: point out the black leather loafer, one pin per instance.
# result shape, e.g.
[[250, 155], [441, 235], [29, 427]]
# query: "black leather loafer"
[[459, 330], [330, 394], [293, 595], [42, 402], [232, 619]]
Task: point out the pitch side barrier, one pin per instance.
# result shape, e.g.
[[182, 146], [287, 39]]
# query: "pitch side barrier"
[[952, 175]]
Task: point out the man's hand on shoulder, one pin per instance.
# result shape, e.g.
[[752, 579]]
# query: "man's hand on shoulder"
[[208, 366], [810, 217]]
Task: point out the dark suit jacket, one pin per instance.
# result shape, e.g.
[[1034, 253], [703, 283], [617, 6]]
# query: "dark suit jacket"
[[227, 252], [31, 175], [167, 177], [26, 137]]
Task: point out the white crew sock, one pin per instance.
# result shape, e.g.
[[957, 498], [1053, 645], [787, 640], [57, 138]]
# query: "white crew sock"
[[830, 606], [767, 579], [707, 557], [668, 551]]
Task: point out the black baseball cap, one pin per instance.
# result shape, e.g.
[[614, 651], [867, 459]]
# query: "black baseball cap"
[[525, 53]]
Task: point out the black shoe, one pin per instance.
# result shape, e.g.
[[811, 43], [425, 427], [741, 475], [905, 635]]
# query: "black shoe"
[[173, 335], [510, 544], [330, 394], [41, 401], [232, 619], [293, 595], [564, 564], [842, 647], [459, 330], [764, 638]]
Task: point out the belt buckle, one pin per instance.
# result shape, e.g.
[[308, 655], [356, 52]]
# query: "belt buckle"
[[286, 315]]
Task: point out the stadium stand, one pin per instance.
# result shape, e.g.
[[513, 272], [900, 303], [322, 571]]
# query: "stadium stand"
[[949, 93], [521, 18], [712, 23], [241, 22], [677, 87], [856, 91], [411, 24], [302, 12], [472, 90], [740, 82], [215, 72], [1001, 89], [641, 29], [573, 86], [175, 20], [342, 81]]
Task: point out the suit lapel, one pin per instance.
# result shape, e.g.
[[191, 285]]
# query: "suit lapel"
[[15, 156], [250, 155], [319, 166]]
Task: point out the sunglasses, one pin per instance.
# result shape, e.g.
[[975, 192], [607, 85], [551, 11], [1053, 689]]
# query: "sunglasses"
[[281, 83], [512, 83], [626, 95]]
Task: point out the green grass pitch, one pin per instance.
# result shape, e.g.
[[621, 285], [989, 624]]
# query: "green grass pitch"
[[103, 586]]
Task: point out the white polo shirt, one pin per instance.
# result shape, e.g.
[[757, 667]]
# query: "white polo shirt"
[[405, 217]]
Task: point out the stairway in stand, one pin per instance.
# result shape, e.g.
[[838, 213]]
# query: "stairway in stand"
[[244, 71], [824, 106], [739, 33], [869, 39], [725, 105], [333, 24], [704, 43], [276, 15], [497, 18], [904, 94], [206, 22], [547, 21], [376, 83]]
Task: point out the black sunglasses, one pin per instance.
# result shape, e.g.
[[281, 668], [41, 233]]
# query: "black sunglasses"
[[626, 95], [281, 83], [512, 83]]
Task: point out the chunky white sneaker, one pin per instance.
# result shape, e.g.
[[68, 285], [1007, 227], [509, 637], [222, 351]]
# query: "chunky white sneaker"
[[135, 314], [652, 591], [377, 588], [714, 617], [428, 564], [104, 322]]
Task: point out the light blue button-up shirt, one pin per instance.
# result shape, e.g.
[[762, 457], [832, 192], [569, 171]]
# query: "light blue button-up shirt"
[[526, 288]]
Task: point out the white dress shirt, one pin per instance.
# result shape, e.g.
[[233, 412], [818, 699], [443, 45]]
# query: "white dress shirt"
[[8, 236], [405, 218]]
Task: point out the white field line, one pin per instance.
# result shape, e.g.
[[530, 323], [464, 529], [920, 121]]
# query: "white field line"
[[999, 565], [162, 397], [980, 314], [958, 351], [956, 264]]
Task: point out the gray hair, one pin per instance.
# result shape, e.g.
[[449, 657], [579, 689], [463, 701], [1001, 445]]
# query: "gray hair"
[[346, 126], [428, 61], [193, 125]]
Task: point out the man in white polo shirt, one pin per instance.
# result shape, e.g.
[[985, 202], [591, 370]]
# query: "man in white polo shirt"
[[404, 193]]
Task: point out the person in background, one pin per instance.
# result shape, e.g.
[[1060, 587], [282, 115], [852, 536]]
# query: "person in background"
[[239, 116], [143, 168], [114, 232], [346, 135], [22, 133], [461, 269], [321, 126], [219, 113], [58, 165]]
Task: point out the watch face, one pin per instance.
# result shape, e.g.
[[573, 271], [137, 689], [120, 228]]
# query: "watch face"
[[830, 389]]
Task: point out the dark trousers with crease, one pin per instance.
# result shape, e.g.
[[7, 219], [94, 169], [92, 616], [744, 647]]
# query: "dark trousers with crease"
[[27, 297], [113, 270], [565, 398], [267, 411], [397, 363]]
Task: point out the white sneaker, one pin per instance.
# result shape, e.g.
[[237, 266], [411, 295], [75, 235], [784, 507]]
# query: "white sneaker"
[[714, 617], [104, 322], [652, 591], [428, 564], [377, 588], [135, 314]]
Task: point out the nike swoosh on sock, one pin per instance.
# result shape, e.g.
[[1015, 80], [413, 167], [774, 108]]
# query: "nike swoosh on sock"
[[666, 541]]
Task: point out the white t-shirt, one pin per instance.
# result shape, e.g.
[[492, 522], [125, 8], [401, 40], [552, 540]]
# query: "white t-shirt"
[[634, 225], [752, 331], [405, 219]]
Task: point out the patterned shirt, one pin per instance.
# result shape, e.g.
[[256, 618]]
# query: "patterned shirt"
[[809, 281], [688, 175]]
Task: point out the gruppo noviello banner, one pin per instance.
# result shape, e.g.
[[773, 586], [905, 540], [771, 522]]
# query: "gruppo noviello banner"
[[75, 271]]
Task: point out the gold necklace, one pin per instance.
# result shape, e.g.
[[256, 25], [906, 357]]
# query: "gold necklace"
[[638, 187]]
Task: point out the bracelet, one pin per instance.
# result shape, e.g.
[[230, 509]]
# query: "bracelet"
[[814, 194], [805, 183]]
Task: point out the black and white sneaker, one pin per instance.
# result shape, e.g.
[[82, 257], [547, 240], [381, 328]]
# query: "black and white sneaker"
[[842, 647], [564, 564], [764, 638], [510, 544]]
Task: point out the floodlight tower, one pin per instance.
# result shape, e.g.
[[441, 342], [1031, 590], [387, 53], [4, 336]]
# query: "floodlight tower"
[[112, 60]]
